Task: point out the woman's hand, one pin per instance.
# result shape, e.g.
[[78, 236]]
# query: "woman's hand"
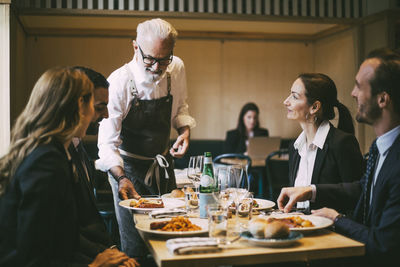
[[111, 258]]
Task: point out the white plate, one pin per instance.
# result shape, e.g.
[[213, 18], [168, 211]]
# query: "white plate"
[[168, 196], [264, 204], [292, 238], [144, 226], [319, 222], [169, 203]]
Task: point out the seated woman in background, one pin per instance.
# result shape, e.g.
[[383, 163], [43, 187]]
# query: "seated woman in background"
[[248, 126], [322, 154], [38, 216]]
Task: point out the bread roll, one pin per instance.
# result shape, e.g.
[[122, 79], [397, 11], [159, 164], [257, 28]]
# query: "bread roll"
[[177, 193], [257, 226], [276, 230]]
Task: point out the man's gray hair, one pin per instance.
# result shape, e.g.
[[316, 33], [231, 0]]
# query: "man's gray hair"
[[156, 28]]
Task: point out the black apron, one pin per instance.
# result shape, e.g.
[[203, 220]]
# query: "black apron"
[[145, 136]]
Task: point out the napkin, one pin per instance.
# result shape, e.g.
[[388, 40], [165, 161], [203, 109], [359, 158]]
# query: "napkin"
[[166, 213], [190, 245]]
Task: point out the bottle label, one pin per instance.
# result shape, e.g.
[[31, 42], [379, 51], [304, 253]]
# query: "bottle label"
[[207, 160], [206, 180], [205, 200]]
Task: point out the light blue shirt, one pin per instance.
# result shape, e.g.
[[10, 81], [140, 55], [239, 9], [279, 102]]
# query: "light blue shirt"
[[384, 142]]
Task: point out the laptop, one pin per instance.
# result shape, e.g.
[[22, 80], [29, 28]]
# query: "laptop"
[[260, 147]]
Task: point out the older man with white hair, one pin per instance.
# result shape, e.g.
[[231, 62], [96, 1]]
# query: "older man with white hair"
[[146, 97]]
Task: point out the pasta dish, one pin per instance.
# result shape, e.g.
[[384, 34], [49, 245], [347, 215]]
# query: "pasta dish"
[[176, 224]]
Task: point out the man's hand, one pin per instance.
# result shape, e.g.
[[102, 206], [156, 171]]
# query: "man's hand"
[[113, 257], [326, 212], [126, 189], [289, 196], [181, 144]]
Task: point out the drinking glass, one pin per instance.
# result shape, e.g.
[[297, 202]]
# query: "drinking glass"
[[244, 210], [191, 201], [221, 175], [195, 170], [217, 223], [237, 177]]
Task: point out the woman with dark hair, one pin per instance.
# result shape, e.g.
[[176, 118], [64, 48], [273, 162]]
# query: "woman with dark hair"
[[322, 154], [248, 126], [38, 211]]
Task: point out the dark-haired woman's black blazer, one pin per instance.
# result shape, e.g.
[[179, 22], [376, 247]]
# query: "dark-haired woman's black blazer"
[[236, 143], [38, 220], [339, 161]]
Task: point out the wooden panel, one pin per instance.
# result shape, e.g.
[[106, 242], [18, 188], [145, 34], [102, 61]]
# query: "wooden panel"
[[295, 8], [4, 78], [335, 56], [210, 6], [202, 60], [261, 72], [267, 4]]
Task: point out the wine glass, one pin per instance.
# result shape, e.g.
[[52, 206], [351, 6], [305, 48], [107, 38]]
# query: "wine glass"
[[238, 184], [237, 177], [194, 170]]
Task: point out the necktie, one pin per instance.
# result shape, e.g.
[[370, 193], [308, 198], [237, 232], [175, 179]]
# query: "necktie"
[[368, 177]]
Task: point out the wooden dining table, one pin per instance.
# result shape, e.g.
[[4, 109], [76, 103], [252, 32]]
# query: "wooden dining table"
[[316, 245]]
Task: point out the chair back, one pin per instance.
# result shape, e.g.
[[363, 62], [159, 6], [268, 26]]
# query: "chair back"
[[277, 172], [235, 159]]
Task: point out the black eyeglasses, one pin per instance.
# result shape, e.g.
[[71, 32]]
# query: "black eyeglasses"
[[148, 60]]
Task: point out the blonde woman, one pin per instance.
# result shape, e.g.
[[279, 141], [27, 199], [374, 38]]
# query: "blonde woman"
[[38, 221]]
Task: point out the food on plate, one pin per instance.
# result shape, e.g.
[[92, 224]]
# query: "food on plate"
[[144, 203], [255, 204], [189, 189], [176, 224], [177, 193], [277, 230], [257, 226], [263, 228], [293, 222], [233, 205]]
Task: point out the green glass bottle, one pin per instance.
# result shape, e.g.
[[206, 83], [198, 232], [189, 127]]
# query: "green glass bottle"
[[208, 185], [207, 181]]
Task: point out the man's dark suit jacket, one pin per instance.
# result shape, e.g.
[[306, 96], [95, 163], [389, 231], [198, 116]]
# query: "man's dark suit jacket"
[[381, 234], [38, 220], [339, 161], [236, 143], [93, 235]]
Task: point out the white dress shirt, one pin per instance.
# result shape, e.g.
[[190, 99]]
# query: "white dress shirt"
[[307, 157], [119, 104], [384, 142]]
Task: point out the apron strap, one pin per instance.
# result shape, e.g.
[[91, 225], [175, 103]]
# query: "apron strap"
[[159, 161], [169, 82]]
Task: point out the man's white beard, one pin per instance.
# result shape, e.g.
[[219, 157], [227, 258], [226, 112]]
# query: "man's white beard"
[[151, 77]]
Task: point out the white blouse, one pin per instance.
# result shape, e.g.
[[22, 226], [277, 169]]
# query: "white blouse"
[[307, 157]]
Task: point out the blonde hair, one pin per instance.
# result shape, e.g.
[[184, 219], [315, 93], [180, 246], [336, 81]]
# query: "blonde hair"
[[156, 28], [52, 113]]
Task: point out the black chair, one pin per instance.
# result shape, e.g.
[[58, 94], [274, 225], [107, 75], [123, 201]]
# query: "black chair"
[[219, 160], [233, 156], [277, 172]]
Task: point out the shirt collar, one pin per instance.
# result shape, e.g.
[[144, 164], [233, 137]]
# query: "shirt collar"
[[319, 139], [385, 141], [322, 133]]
